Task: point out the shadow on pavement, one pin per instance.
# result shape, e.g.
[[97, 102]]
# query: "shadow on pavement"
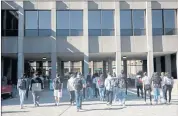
[[14, 112], [87, 110]]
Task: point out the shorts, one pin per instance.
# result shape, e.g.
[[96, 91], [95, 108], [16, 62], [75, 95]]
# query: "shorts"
[[58, 93]]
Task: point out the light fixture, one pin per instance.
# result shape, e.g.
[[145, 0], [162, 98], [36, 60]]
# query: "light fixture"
[[44, 58], [124, 57]]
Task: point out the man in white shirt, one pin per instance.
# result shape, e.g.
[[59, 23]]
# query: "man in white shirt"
[[147, 86]]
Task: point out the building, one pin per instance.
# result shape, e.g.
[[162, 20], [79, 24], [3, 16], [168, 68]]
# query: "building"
[[117, 34]]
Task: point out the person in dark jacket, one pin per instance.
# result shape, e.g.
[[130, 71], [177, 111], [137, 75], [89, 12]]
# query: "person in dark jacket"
[[156, 80], [36, 88], [89, 86]]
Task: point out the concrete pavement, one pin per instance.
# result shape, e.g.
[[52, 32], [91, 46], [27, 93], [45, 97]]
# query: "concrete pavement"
[[134, 106]]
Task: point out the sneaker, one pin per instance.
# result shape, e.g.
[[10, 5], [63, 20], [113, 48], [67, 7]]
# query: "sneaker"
[[107, 103]]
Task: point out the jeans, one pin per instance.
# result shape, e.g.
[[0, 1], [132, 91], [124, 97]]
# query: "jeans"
[[22, 96], [156, 94], [101, 92], [109, 95], [89, 92], [122, 95], [83, 93], [36, 97], [115, 92], [141, 89], [167, 88], [72, 96], [27, 93], [78, 96], [149, 92]]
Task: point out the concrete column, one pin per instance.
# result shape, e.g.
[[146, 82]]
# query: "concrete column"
[[177, 64], [117, 37], [92, 67], [158, 65], [110, 66], [53, 38], [150, 63], [104, 69], [69, 63], [168, 64], [20, 62], [59, 71], [85, 39]]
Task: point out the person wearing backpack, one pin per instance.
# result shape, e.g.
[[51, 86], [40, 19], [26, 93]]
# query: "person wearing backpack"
[[156, 80], [71, 88], [57, 86], [100, 84], [147, 86], [78, 85], [168, 85], [122, 81], [89, 86], [22, 87], [116, 90], [36, 88], [139, 85], [109, 85]]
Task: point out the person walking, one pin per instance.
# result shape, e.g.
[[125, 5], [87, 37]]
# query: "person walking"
[[122, 88], [147, 86], [101, 87], [57, 86], [109, 85], [139, 85], [168, 85], [94, 81], [156, 79], [22, 87], [36, 88], [89, 86], [71, 88], [78, 85], [28, 79], [116, 89]]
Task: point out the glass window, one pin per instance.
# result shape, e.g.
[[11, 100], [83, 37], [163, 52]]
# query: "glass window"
[[31, 23], [157, 22], [169, 22], [62, 23], [138, 22], [107, 22], [9, 21], [76, 23], [125, 23], [44, 23], [94, 23]]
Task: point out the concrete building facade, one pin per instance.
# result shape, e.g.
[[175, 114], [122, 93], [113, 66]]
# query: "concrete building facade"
[[153, 44]]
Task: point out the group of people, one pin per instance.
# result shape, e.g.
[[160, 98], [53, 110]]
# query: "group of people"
[[110, 88], [160, 84]]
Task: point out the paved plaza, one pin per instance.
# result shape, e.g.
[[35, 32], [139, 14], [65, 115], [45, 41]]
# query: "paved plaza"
[[134, 107]]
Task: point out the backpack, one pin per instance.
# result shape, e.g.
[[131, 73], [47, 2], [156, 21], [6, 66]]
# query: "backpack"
[[140, 82], [78, 84], [122, 83], [57, 84], [157, 82], [168, 81], [101, 82], [22, 84]]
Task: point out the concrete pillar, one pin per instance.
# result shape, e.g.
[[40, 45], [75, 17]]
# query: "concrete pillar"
[[53, 38], [110, 66], [117, 37], [150, 63], [92, 67], [158, 65], [177, 64], [104, 69], [85, 39], [20, 62], [59, 71], [168, 64], [69, 64]]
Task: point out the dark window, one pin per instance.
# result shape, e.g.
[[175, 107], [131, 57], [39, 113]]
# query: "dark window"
[[163, 22], [37, 23], [70, 23], [9, 21], [132, 22]]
